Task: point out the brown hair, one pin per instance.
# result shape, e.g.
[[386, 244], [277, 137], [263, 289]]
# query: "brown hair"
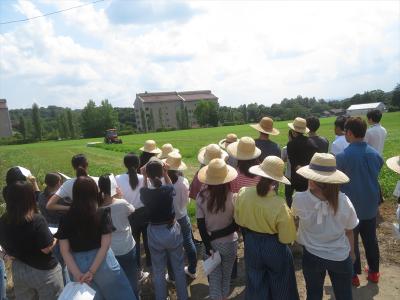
[[357, 126], [154, 171], [20, 202], [264, 186], [51, 180], [330, 191], [132, 162], [217, 197]]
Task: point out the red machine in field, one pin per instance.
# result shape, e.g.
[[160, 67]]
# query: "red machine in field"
[[111, 137]]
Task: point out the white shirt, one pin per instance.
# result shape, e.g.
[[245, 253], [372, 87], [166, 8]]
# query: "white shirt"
[[181, 198], [375, 137], [285, 157], [132, 196], [65, 190], [321, 231], [121, 239], [339, 144]]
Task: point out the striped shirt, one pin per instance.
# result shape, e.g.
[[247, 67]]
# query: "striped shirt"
[[243, 181]]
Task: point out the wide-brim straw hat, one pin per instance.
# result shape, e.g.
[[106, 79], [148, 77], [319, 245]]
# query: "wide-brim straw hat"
[[272, 167], [150, 146], [174, 161], [206, 154], [165, 150], [244, 149], [322, 168], [299, 125], [217, 172], [393, 164], [266, 125], [230, 138]]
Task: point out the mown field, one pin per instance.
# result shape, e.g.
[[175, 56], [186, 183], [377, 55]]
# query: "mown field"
[[45, 157]]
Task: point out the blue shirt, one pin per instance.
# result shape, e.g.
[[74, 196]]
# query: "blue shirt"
[[362, 164]]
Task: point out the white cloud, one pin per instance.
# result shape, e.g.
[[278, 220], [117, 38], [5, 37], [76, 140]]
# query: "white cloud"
[[243, 51]]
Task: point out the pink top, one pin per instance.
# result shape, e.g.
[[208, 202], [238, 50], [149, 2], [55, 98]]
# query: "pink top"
[[243, 181]]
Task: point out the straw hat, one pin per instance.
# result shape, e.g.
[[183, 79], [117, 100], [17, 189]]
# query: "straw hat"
[[272, 167], [230, 138], [393, 163], [174, 160], [206, 154], [322, 168], [217, 172], [150, 146], [266, 125], [244, 149], [299, 125], [165, 149]]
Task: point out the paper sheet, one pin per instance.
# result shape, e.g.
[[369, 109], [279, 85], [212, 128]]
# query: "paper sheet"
[[53, 230], [211, 263], [77, 291]]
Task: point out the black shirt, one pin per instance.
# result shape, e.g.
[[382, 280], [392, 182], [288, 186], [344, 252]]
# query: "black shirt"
[[267, 148], [25, 241], [79, 240], [321, 142], [52, 217], [159, 203]]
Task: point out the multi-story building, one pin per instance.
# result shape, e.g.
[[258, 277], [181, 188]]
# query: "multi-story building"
[[5, 123], [168, 109]]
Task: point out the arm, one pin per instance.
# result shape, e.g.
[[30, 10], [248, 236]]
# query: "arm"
[[69, 260], [166, 177], [52, 204], [48, 249], [350, 237], [201, 224], [101, 254]]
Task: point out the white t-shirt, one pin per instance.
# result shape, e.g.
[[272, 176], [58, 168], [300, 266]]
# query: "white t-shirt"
[[121, 239], [339, 144], [321, 231], [132, 196], [375, 137], [181, 198], [285, 158], [65, 190]]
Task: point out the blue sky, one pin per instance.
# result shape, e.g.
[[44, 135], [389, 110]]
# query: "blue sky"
[[244, 51]]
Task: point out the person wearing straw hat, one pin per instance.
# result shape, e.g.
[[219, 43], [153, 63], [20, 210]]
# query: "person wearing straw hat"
[[149, 150], [181, 200], [299, 150], [362, 164], [268, 226], [214, 212], [326, 222], [165, 150], [229, 139], [393, 164], [266, 128]]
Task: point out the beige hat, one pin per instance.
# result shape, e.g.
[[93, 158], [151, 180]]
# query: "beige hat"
[[174, 160], [230, 138], [272, 167], [150, 146], [217, 172], [266, 125], [165, 149], [393, 164], [244, 149], [206, 154], [299, 125], [322, 168]]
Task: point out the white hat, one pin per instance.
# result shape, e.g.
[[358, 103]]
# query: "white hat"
[[322, 168], [174, 161], [165, 149], [217, 172], [24, 171], [266, 125], [244, 149], [230, 138], [150, 146], [299, 125], [393, 163], [206, 154], [272, 167]]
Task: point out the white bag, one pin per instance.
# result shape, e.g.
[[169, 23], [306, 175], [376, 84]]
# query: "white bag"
[[211, 263], [77, 291]]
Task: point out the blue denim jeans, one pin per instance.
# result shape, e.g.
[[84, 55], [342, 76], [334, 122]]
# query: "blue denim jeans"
[[57, 254], [340, 273], [3, 280], [166, 241], [129, 265], [188, 245], [110, 281]]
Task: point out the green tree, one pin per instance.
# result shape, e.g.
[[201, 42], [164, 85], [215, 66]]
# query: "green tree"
[[206, 113], [108, 116], [396, 96], [37, 123], [22, 127], [63, 129], [89, 120], [71, 127]]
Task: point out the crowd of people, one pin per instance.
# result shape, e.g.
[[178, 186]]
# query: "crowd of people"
[[331, 198]]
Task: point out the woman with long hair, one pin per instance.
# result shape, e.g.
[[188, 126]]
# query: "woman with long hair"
[[164, 233], [24, 235], [326, 222], [122, 242], [268, 226], [214, 212], [85, 239], [130, 184]]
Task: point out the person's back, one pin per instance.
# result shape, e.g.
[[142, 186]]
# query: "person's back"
[[340, 143], [321, 142], [376, 134], [267, 148]]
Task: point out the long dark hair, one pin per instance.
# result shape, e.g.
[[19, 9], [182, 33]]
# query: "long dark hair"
[[83, 211], [174, 175], [51, 180], [13, 175], [132, 163], [20, 202], [104, 187], [331, 193], [244, 166], [154, 171], [80, 164], [264, 186], [145, 157], [217, 197]]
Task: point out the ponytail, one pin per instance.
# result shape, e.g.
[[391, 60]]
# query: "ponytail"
[[264, 186], [133, 178], [81, 171], [132, 162], [157, 182], [154, 171], [330, 191]]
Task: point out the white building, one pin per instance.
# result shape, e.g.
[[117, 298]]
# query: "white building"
[[363, 109], [5, 123]]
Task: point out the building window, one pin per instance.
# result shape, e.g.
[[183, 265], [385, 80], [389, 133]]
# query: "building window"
[[147, 108]]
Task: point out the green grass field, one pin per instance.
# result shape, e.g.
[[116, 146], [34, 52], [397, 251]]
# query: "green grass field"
[[45, 157]]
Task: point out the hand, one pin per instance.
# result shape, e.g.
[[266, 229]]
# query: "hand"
[[31, 179], [77, 276], [143, 170], [87, 277], [165, 167]]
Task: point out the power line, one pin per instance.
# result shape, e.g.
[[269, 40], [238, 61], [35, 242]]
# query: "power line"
[[48, 14]]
